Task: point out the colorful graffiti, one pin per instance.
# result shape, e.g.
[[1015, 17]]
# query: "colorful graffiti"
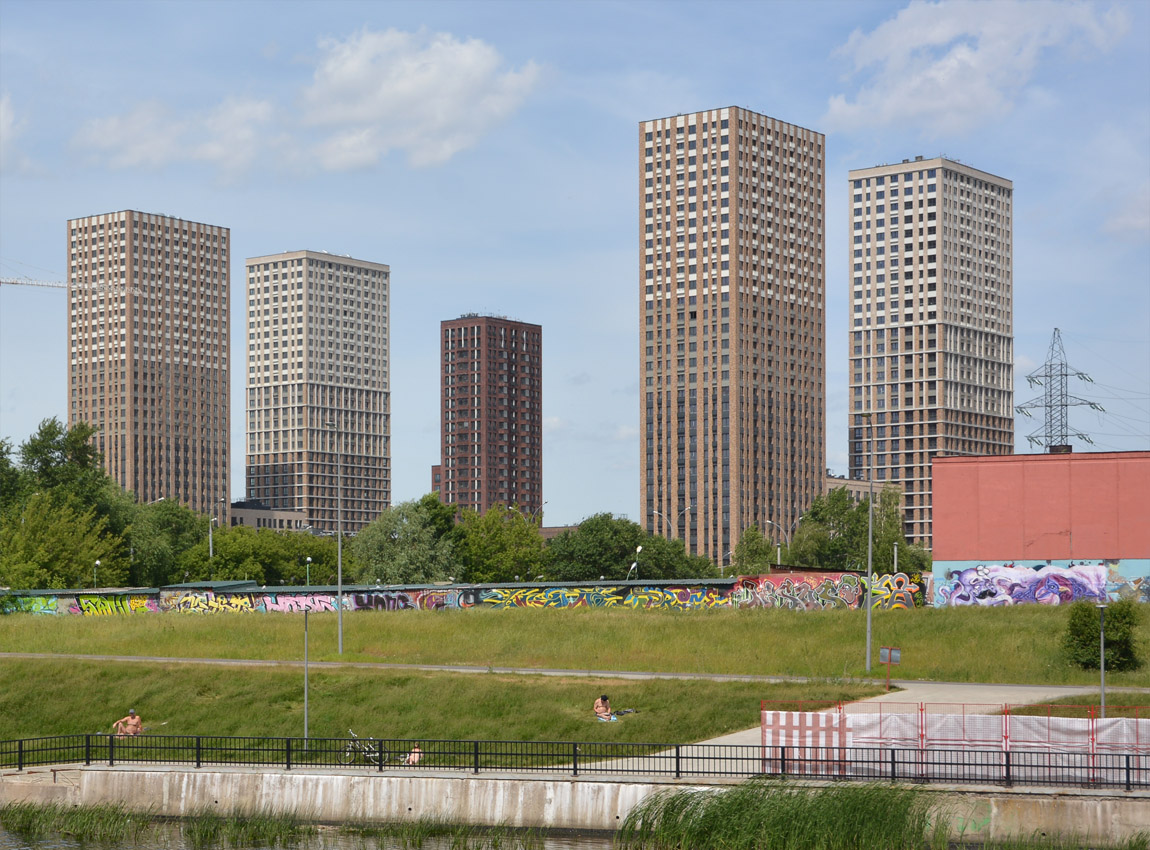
[[809, 592], [27, 604], [1007, 584], [103, 606], [806, 591]]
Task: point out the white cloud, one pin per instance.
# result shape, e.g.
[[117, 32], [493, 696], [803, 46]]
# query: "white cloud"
[[950, 67], [430, 95], [147, 137]]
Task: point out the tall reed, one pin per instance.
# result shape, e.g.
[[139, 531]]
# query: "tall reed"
[[104, 823]]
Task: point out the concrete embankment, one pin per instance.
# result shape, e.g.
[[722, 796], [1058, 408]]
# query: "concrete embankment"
[[973, 814]]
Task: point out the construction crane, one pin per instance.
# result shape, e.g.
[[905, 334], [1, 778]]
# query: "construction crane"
[[57, 284], [27, 281]]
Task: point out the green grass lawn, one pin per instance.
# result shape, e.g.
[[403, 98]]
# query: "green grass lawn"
[[61, 696], [1014, 644]]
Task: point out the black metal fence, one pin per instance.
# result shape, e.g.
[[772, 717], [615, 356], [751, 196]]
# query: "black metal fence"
[[981, 767]]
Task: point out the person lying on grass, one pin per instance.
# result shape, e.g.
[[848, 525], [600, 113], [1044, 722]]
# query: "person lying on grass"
[[128, 726]]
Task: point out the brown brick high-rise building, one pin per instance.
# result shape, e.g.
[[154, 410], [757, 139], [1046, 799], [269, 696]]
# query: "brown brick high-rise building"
[[148, 299], [491, 413], [733, 341]]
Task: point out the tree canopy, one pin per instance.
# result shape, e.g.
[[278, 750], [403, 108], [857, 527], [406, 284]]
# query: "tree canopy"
[[605, 545]]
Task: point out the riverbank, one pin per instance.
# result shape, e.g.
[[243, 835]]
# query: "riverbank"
[[976, 813]]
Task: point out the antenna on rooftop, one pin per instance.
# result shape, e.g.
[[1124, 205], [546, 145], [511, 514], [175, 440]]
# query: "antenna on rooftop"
[[1052, 377]]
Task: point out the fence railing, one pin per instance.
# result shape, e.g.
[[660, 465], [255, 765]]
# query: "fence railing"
[[595, 759]]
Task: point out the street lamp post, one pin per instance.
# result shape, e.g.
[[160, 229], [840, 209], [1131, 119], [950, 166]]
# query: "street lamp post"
[[307, 560], [338, 538], [678, 516], [635, 564], [211, 519], [1102, 656], [869, 533], [94, 566]]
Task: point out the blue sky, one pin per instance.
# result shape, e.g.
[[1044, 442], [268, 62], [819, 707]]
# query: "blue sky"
[[488, 152]]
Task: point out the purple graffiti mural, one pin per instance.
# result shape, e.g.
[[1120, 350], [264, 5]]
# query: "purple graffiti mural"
[[1006, 584]]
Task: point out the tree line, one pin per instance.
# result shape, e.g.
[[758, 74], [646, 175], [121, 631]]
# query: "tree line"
[[64, 523]]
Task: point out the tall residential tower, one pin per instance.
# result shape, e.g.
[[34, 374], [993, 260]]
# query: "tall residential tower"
[[491, 407], [319, 396], [148, 364], [732, 297], [931, 337]]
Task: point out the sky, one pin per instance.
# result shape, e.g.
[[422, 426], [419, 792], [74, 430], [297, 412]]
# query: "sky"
[[488, 152]]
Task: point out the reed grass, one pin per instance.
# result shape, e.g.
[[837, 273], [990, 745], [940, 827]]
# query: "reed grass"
[[43, 697], [780, 816], [1017, 644], [413, 834], [209, 828], [105, 823]]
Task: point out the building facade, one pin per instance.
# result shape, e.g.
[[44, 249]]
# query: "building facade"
[[318, 387], [491, 413], [148, 300], [1044, 528], [931, 336], [732, 333]]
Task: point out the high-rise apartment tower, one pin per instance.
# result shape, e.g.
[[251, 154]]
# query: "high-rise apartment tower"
[[931, 328], [148, 352], [491, 413], [319, 394], [732, 299]]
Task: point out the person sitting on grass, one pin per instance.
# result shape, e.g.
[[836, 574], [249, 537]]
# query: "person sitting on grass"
[[603, 709], [414, 756], [131, 725]]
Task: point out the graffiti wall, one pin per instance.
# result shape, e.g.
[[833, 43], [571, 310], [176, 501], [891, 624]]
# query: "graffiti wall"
[[815, 591], [806, 591], [1043, 583]]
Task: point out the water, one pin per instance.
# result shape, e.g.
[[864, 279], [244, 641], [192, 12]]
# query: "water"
[[168, 837]]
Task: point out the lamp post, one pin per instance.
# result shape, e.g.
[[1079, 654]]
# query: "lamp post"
[[338, 538], [678, 516], [869, 533], [307, 560], [635, 564], [94, 566], [1102, 656], [211, 519]]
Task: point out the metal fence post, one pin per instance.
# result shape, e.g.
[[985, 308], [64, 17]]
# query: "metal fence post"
[[893, 764], [1128, 786], [678, 763], [782, 761], [87, 749], [199, 753], [1008, 780], [574, 759], [379, 756], [287, 749], [475, 761], [20, 754], [111, 750]]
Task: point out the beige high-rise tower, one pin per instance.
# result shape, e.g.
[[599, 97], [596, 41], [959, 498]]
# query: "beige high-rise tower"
[[931, 328], [148, 297], [733, 341], [319, 394]]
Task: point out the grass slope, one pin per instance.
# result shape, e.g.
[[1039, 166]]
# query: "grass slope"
[[1017, 644], [60, 696]]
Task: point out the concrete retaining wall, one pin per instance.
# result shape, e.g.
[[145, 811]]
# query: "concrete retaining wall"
[[980, 814]]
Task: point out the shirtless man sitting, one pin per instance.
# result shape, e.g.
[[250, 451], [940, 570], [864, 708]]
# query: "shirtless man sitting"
[[414, 756], [603, 709], [128, 726]]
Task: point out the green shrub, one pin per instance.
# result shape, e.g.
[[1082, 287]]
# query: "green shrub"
[[1081, 642]]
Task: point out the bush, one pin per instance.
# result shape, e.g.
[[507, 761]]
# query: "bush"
[[1081, 643]]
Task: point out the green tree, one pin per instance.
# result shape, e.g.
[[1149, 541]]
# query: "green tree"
[[499, 545], [158, 535], [753, 553], [51, 544], [605, 545], [1082, 640], [64, 460], [406, 544]]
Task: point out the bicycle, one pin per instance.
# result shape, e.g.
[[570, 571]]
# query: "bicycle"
[[371, 750]]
